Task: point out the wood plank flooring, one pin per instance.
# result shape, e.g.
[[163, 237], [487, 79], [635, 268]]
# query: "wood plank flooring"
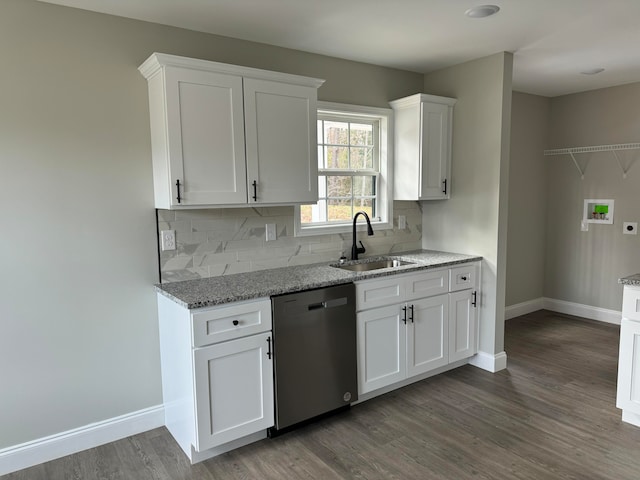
[[550, 415]]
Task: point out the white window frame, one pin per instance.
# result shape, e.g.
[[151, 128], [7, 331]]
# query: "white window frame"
[[385, 184]]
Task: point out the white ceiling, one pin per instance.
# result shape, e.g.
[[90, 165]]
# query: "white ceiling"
[[552, 40]]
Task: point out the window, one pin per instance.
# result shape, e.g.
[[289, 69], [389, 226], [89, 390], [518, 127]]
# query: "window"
[[353, 170]]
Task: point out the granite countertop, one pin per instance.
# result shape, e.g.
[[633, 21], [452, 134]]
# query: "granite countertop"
[[630, 280], [206, 292]]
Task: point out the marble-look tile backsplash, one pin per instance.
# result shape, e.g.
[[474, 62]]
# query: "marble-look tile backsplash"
[[217, 242]]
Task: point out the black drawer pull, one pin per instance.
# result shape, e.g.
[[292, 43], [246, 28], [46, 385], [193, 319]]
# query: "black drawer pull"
[[236, 322]]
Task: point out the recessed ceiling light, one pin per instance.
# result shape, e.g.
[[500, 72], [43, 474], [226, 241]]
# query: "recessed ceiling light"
[[482, 11], [592, 71]]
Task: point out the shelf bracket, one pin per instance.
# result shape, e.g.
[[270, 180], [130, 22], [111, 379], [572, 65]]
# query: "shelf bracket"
[[624, 172], [577, 165]]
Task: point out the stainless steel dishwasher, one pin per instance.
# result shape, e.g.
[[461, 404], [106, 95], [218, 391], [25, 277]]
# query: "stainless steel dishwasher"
[[314, 346]]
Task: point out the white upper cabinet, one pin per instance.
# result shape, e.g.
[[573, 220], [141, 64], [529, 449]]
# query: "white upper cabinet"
[[204, 149], [281, 139], [423, 126], [227, 135]]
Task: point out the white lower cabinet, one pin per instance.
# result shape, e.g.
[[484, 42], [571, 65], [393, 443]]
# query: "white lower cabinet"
[[428, 329], [381, 348], [233, 390], [427, 334], [463, 324], [217, 374], [628, 395]]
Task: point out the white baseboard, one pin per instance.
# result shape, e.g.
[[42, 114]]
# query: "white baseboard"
[[59, 445], [523, 308], [631, 417], [490, 362], [562, 306], [586, 311]]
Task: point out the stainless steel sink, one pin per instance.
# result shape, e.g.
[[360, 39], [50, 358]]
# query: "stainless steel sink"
[[376, 265]]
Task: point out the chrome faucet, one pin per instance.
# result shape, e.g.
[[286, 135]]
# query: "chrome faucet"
[[355, 250]]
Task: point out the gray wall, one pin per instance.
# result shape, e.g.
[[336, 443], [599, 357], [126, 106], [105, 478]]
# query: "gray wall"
[[527, 226], [78, 340], [474, 219], [583, 267]]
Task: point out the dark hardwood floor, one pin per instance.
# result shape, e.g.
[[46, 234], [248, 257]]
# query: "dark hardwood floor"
[[550, 415]]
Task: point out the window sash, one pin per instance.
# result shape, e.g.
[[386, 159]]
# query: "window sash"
[[382, 142], [372, 169], [349, 119], [324, 201]]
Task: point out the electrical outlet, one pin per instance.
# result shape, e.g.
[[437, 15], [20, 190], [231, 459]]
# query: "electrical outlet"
[[630, 228], [270, 229], [402, 222], [168, 240]]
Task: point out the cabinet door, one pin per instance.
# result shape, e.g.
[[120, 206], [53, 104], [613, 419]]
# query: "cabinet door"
[[435, 151], [427, 334], [233, 390], [205, 131], [628, 397], [462, 325], [280, 122], [381, 348]]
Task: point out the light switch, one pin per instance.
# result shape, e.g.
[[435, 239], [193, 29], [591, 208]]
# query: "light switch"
[[584, 226], [402, 222]]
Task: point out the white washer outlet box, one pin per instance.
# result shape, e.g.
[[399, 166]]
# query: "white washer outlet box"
[[630, 228]]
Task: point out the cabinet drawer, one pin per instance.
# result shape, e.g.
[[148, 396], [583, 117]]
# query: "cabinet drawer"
[[631, 303], [378, 293], [426, 284], [218, 324], [463, 277]]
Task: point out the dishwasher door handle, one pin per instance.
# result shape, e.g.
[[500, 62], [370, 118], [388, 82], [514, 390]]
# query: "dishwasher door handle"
[[335, 302]]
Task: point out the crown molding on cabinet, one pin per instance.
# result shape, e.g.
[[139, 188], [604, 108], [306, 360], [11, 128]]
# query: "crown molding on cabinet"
[[156, 61]]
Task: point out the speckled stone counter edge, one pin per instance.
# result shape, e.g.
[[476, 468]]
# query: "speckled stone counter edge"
[[630, 280], [212, 291]]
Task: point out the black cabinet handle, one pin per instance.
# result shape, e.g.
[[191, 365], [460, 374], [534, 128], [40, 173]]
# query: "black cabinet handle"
[[475, 298], [255, 191], [236, 322], [404, 316], [444, 186], [269, 347], [179, 198], [464, 279], [411, 308]]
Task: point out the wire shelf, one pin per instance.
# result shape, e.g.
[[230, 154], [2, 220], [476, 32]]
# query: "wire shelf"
[[595, 148]]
